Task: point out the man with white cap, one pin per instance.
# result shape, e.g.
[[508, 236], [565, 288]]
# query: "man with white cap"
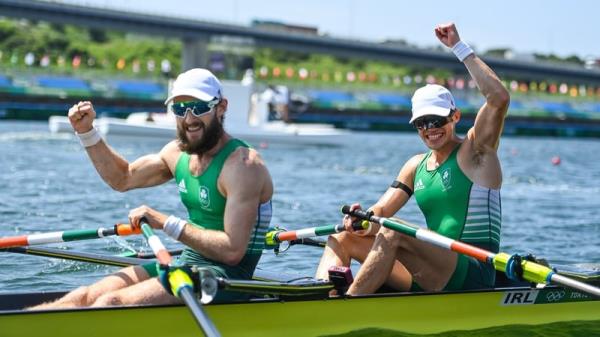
[[456, 186], [222, 182]]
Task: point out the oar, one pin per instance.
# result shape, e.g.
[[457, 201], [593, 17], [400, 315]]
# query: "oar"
[[309, 242], [319, 287], [250, 286], [181, 283], [72, 235], [531, 271], [173, 252], [118, 261], [276, 236]]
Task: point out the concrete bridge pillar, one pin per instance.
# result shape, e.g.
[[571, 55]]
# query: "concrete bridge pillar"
[[195, 52]]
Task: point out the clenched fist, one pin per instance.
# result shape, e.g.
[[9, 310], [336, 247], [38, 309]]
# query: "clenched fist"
[[81, 116], [447, 34]]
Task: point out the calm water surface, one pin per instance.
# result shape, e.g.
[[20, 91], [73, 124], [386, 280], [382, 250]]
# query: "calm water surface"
[[47, 183]]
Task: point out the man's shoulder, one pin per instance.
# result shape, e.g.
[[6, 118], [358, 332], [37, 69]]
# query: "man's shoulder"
[[415, 160], [245, 157], [170, 153], [245, 170]]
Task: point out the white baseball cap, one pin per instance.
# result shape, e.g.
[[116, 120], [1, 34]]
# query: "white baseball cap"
[[432, 99], [198, 83]]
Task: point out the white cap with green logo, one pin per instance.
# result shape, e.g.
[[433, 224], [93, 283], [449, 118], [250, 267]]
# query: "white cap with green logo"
[[432, 99], [198, 83]]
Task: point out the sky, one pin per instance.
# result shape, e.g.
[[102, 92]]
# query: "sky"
[[563, 28]]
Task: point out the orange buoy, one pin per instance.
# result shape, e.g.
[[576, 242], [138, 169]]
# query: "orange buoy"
[[555, 160]]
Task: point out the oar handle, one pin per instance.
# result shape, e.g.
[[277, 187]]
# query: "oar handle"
[[359, 213], [123, 229], [360, 225]]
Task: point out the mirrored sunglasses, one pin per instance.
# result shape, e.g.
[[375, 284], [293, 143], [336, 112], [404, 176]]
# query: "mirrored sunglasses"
[[431, 122], [197, 108]]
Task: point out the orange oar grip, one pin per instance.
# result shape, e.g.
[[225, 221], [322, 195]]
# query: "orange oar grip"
[[127, 229]]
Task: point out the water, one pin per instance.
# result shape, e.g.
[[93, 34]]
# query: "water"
[[47, 183]]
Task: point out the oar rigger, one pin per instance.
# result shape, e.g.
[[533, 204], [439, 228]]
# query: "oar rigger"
[[203, 281], [514, 266]]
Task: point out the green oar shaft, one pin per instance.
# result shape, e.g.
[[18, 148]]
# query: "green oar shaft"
[[532, 272], [181, 283], [65, 236]]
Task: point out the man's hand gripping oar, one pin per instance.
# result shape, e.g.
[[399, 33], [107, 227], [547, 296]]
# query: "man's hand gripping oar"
[[179, 282]]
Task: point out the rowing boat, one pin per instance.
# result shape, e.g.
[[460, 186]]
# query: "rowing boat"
[[311, 314], [301, 306]]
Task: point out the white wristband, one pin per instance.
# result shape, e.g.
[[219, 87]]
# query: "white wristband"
[[89, 138], [174, 226], [462, 50]]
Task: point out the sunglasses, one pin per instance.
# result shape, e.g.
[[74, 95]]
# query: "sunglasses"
[[197, 108], [431, 122]]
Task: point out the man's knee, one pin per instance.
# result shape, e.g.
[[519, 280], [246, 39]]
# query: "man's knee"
[[343, 241], [108, 299], [393, 238], [339, 238], [79, 296]]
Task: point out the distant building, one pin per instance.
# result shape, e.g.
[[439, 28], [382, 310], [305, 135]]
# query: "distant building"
[[510, 54], [592, 63], [396, 43], [279, 27]]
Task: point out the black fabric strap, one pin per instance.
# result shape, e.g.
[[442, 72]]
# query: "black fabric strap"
[[397, 184]]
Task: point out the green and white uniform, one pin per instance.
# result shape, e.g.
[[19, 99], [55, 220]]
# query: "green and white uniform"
[[459, 209], [206, 208]]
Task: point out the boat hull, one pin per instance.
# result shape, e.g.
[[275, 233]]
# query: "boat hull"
[[408, 313]]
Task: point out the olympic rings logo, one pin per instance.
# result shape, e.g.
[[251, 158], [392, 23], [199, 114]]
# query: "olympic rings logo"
[[555, 296]]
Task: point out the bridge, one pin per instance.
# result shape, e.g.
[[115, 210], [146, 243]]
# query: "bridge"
[[196, 36]]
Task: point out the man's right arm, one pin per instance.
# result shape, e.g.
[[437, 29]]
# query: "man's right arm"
[[394, 198], [489, 121], [118, 173]]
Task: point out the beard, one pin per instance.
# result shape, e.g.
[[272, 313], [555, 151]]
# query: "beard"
[[210, 137]]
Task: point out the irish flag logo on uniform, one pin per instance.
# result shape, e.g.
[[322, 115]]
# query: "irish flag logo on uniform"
[[447, 178], [203, 196]]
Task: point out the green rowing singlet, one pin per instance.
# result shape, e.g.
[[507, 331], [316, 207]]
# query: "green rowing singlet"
[[206, 207], [457, 208]]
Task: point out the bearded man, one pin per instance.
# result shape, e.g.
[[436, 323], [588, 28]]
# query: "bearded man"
[[223, 183]]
